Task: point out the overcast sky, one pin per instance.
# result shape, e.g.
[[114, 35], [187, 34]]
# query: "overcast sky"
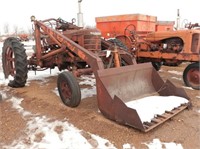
[[18, 12]]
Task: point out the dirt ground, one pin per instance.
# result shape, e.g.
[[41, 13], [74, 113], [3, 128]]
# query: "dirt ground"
[[184, 128]]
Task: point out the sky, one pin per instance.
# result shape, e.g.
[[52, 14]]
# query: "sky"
[[17, 13]]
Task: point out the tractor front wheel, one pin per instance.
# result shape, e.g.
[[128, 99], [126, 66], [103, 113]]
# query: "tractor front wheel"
[[14, 61], [68, 89], [191, 76]]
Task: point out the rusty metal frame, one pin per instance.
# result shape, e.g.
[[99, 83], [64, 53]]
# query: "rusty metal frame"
[[94, 61]]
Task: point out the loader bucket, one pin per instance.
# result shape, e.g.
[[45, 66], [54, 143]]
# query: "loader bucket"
[[118, 86]]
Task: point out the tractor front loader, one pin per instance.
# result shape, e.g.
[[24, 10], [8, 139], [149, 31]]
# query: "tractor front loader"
[[118, 78]]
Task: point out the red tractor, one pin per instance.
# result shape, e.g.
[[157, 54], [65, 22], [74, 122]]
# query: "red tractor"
[[118, 78]]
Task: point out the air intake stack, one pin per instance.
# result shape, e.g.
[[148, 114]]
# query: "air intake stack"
[[80, 14], [178, 20]]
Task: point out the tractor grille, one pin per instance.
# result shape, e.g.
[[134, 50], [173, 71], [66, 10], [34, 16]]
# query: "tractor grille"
[[92, 42], [196, 43]]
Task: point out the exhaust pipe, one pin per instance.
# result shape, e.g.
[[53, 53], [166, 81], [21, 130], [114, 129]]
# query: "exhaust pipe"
[[80, 14], [178, 20]]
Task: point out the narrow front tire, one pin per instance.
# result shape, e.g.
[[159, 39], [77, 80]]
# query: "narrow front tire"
[[69, 89]]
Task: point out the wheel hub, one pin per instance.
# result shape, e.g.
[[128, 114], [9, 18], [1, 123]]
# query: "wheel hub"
[[194, 76], [10, 62], [66, 90]]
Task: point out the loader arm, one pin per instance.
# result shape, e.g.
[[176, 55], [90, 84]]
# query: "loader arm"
[[93, 60]]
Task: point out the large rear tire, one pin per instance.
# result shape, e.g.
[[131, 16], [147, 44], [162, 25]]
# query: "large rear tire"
[[118, 43], [68, 89], [191, 76], [14, 60]]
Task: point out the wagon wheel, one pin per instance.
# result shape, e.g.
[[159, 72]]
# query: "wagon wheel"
[[68, 89], [191, 75], [14, 61]]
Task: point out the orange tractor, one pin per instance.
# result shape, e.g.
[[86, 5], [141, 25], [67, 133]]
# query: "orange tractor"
[[169, 47], [138, 34], [118, 78]]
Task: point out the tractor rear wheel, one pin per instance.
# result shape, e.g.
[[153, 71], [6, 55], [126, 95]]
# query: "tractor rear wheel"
[[68, 89], [118, 43], [14, 61], [191, 76]]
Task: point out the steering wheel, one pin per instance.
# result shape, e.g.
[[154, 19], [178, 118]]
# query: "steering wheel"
[[129, 30]]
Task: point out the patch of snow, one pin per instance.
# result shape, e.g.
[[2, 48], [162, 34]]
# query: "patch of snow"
[[175, 72], [148, 107], [176, 78], [87, 80], [4, 81], [42, 75], [29, 43], [43, 132], [1, 45], [189, 88], [198, 97], [128, 146], [56, 91], [16, 103], [157, 144], [3, 95], [88, 92], [57, 134]]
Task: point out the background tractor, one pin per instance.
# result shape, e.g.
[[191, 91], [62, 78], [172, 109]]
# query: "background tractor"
[[149, 40], [168, 47]]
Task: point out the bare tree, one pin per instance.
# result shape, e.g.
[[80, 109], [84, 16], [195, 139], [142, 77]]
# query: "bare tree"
[[6, 28], [30, 32], [16, 30]]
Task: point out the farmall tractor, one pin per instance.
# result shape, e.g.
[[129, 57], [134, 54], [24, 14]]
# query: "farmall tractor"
[[80, 51], [167, 47]]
